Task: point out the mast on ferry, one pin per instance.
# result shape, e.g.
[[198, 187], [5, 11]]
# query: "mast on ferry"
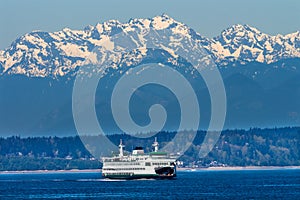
[[155, 145], [121, 148]]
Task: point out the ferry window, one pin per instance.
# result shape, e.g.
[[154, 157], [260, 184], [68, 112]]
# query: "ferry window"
[[147, 164]]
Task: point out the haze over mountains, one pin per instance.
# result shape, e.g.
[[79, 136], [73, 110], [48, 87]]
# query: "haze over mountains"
[[260, 72]]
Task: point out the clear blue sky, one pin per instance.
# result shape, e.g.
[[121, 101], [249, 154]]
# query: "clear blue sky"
[[208, 17]]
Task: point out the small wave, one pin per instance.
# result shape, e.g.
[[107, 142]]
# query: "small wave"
[[282, 185], [57, 180], [88, 180]]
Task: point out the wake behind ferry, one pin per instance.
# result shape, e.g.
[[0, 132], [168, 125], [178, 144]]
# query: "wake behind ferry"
[[138, 164]]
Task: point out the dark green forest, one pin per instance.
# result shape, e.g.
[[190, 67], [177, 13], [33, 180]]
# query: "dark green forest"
[[253, 147]]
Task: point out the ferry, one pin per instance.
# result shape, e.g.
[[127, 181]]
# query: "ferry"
[[138, 164]]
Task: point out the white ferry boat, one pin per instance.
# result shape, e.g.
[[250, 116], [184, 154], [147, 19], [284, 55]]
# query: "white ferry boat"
[[139, 164]]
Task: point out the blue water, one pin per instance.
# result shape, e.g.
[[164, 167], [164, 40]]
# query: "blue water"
[[244, 184]]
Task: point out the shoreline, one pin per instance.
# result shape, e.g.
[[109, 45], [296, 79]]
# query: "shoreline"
[[237, 168], [50, 171]]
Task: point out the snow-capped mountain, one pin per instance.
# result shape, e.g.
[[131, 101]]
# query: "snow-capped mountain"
[[260, 74], [41, 54], [245, 43]]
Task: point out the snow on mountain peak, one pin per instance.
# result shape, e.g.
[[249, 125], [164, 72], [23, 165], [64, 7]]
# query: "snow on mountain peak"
[[244, 32], [245, 43], [162, 22]]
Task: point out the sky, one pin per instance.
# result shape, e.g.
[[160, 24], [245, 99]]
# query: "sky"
[[208, 17]]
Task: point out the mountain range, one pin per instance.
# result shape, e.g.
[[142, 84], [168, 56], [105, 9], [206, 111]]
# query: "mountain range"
[[40, 54], [260, 73]]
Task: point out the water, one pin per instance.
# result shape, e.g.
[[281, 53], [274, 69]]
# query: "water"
[[243, 184]]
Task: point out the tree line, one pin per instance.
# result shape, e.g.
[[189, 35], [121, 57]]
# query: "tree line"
[[253, 147]]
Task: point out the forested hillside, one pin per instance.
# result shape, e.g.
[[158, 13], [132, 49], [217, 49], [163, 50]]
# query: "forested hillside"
[[254, 147]]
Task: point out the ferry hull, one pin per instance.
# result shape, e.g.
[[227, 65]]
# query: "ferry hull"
[[139, 176]]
